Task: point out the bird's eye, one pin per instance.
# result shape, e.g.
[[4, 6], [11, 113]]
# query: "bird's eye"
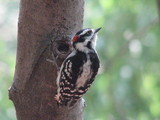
[[88, 33]]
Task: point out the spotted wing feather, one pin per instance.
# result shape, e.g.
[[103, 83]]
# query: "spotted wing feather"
[[71, 71]]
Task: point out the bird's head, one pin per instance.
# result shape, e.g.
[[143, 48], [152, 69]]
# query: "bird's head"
[[85, 39]]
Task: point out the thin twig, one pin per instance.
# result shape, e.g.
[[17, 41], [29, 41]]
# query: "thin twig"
[[54, 59]]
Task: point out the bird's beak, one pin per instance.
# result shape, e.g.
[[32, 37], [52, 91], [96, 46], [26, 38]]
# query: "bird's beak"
[[96, 30]]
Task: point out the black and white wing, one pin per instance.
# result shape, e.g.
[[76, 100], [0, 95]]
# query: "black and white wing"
[[66, 81], [77, 73]]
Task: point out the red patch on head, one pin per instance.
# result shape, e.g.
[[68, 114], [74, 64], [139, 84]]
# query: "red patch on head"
[[75, 38]]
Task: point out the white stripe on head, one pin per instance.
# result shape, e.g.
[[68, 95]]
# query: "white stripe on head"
[[84, 32]]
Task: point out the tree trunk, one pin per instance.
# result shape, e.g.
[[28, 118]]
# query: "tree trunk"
[[42, 22]]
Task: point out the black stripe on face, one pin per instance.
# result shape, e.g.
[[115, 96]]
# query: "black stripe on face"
[[79, 32], [89, 45], [88, 33]]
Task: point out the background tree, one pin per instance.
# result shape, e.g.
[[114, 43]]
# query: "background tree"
[[43, 26]]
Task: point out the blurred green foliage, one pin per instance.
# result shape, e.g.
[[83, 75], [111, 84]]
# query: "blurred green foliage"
[[8, 31], [128, 84]]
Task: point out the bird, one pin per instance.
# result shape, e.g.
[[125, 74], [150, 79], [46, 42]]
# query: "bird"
[[79, 69]]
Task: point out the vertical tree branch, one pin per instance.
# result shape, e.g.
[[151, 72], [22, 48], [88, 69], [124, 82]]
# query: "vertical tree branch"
[[34, 86], [158, 5]]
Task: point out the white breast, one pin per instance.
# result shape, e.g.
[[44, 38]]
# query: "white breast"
[[85, 75]]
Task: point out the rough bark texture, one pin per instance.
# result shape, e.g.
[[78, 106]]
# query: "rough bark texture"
[[34, 86]]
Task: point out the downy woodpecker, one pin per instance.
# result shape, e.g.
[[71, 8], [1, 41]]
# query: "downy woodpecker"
[[79, 69]]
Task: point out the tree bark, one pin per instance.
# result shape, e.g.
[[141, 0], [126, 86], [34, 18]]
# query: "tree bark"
[[42, 22]]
